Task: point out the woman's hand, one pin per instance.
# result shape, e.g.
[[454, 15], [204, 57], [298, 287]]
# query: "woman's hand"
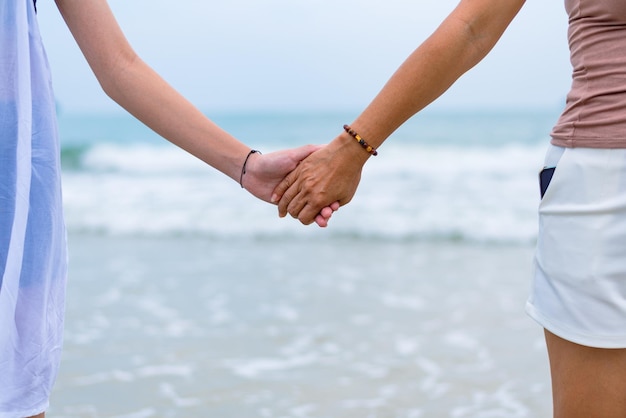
[[263, 173], [328, 178]]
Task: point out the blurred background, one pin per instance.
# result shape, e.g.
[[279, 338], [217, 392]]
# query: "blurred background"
[[187, 297]]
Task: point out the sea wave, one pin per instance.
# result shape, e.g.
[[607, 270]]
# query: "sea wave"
[[413, 192]]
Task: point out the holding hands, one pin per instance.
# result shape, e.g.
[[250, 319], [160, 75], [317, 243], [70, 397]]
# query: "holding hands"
[[322, 182], [261, 174], [330, 176]]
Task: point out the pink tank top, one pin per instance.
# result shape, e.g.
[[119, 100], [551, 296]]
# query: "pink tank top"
[[595, 113]]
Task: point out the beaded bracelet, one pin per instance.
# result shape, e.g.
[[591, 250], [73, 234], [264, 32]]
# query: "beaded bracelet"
[[360, 140], [243, 168]]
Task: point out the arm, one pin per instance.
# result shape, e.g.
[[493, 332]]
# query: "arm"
[[142, 92], [463, 39], [137, 88]]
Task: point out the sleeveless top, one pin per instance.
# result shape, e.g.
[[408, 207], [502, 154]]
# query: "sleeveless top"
[[595, 112], [33, 257]]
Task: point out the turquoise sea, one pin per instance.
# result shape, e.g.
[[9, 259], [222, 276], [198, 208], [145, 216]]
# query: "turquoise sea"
[[189, 298], [443, 176]]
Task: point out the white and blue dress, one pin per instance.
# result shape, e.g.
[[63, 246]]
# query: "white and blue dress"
[[33, 256]]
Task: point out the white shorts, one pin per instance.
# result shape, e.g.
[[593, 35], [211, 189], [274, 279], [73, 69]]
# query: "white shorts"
[[579, 284]]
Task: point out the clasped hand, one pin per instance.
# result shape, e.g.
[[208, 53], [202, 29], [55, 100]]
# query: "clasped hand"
[[321, 183]]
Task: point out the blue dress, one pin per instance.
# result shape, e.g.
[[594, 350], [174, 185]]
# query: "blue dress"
[[33, 256]]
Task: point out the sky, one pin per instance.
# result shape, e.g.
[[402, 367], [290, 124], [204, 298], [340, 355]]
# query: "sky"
[[314, 55]]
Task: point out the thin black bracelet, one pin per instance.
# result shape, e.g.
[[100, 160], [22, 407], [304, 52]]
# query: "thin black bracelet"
[[243, 168], [367, 147]]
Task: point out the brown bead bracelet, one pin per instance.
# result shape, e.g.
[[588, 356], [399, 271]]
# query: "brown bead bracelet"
[[367, 147]]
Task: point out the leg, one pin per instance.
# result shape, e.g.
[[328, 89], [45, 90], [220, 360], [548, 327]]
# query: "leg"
[[586, 382], [42, 415]]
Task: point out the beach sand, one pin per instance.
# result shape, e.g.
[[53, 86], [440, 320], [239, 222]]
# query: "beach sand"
[[194, 327]]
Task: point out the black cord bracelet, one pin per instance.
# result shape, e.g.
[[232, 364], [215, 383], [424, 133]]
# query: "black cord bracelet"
[[243, 168]]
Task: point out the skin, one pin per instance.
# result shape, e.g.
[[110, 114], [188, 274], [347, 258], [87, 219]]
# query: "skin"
[[460, 42], [142, 92], [586, 382], [131, 83]]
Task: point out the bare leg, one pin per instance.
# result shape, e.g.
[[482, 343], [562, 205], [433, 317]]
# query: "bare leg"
[[42, 415], [586, 382]]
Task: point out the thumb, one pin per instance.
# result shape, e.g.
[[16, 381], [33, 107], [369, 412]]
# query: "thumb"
[[297, 155], [300, 153], [282, 187]]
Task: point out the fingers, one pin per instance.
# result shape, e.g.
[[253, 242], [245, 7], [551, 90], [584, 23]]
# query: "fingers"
[[297, 205], [292, 194], [304, 151], [306, 215], [284, 193], [321, 221], [325, 214], [297, 155], [278, 195], [289, 199], [294, 200], [328, 211], [303, 205]]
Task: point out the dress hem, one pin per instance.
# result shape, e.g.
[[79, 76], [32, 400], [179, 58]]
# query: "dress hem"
[[608, 342]]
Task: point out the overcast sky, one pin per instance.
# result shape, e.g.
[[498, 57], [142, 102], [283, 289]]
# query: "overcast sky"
[[310, 55]]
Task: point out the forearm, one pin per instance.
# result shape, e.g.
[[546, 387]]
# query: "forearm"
[[461, 41], [144, 94], [424, 76], [458, 44]]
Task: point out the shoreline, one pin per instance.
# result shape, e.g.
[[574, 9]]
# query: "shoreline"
[[236, 328]]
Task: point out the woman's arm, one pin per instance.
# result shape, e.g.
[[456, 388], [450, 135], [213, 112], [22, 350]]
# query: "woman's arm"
[[142, 92], [463, 39]]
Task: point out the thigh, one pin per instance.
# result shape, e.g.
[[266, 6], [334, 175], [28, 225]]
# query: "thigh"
[[587, 382]]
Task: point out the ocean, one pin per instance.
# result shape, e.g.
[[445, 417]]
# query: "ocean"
[[445, 176], [189, 298]]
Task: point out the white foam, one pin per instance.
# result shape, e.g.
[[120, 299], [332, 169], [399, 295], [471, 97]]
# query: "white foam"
[[168, 391], [256, 367], [132, 375], [143, 413], [406, 346], [415, 192], [501, 403]]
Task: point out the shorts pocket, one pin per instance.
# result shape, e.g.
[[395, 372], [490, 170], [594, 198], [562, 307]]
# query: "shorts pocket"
[[545, 176]]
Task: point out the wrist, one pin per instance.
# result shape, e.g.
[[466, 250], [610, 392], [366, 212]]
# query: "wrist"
[[352, 148], [360, 140], [245, 167]]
